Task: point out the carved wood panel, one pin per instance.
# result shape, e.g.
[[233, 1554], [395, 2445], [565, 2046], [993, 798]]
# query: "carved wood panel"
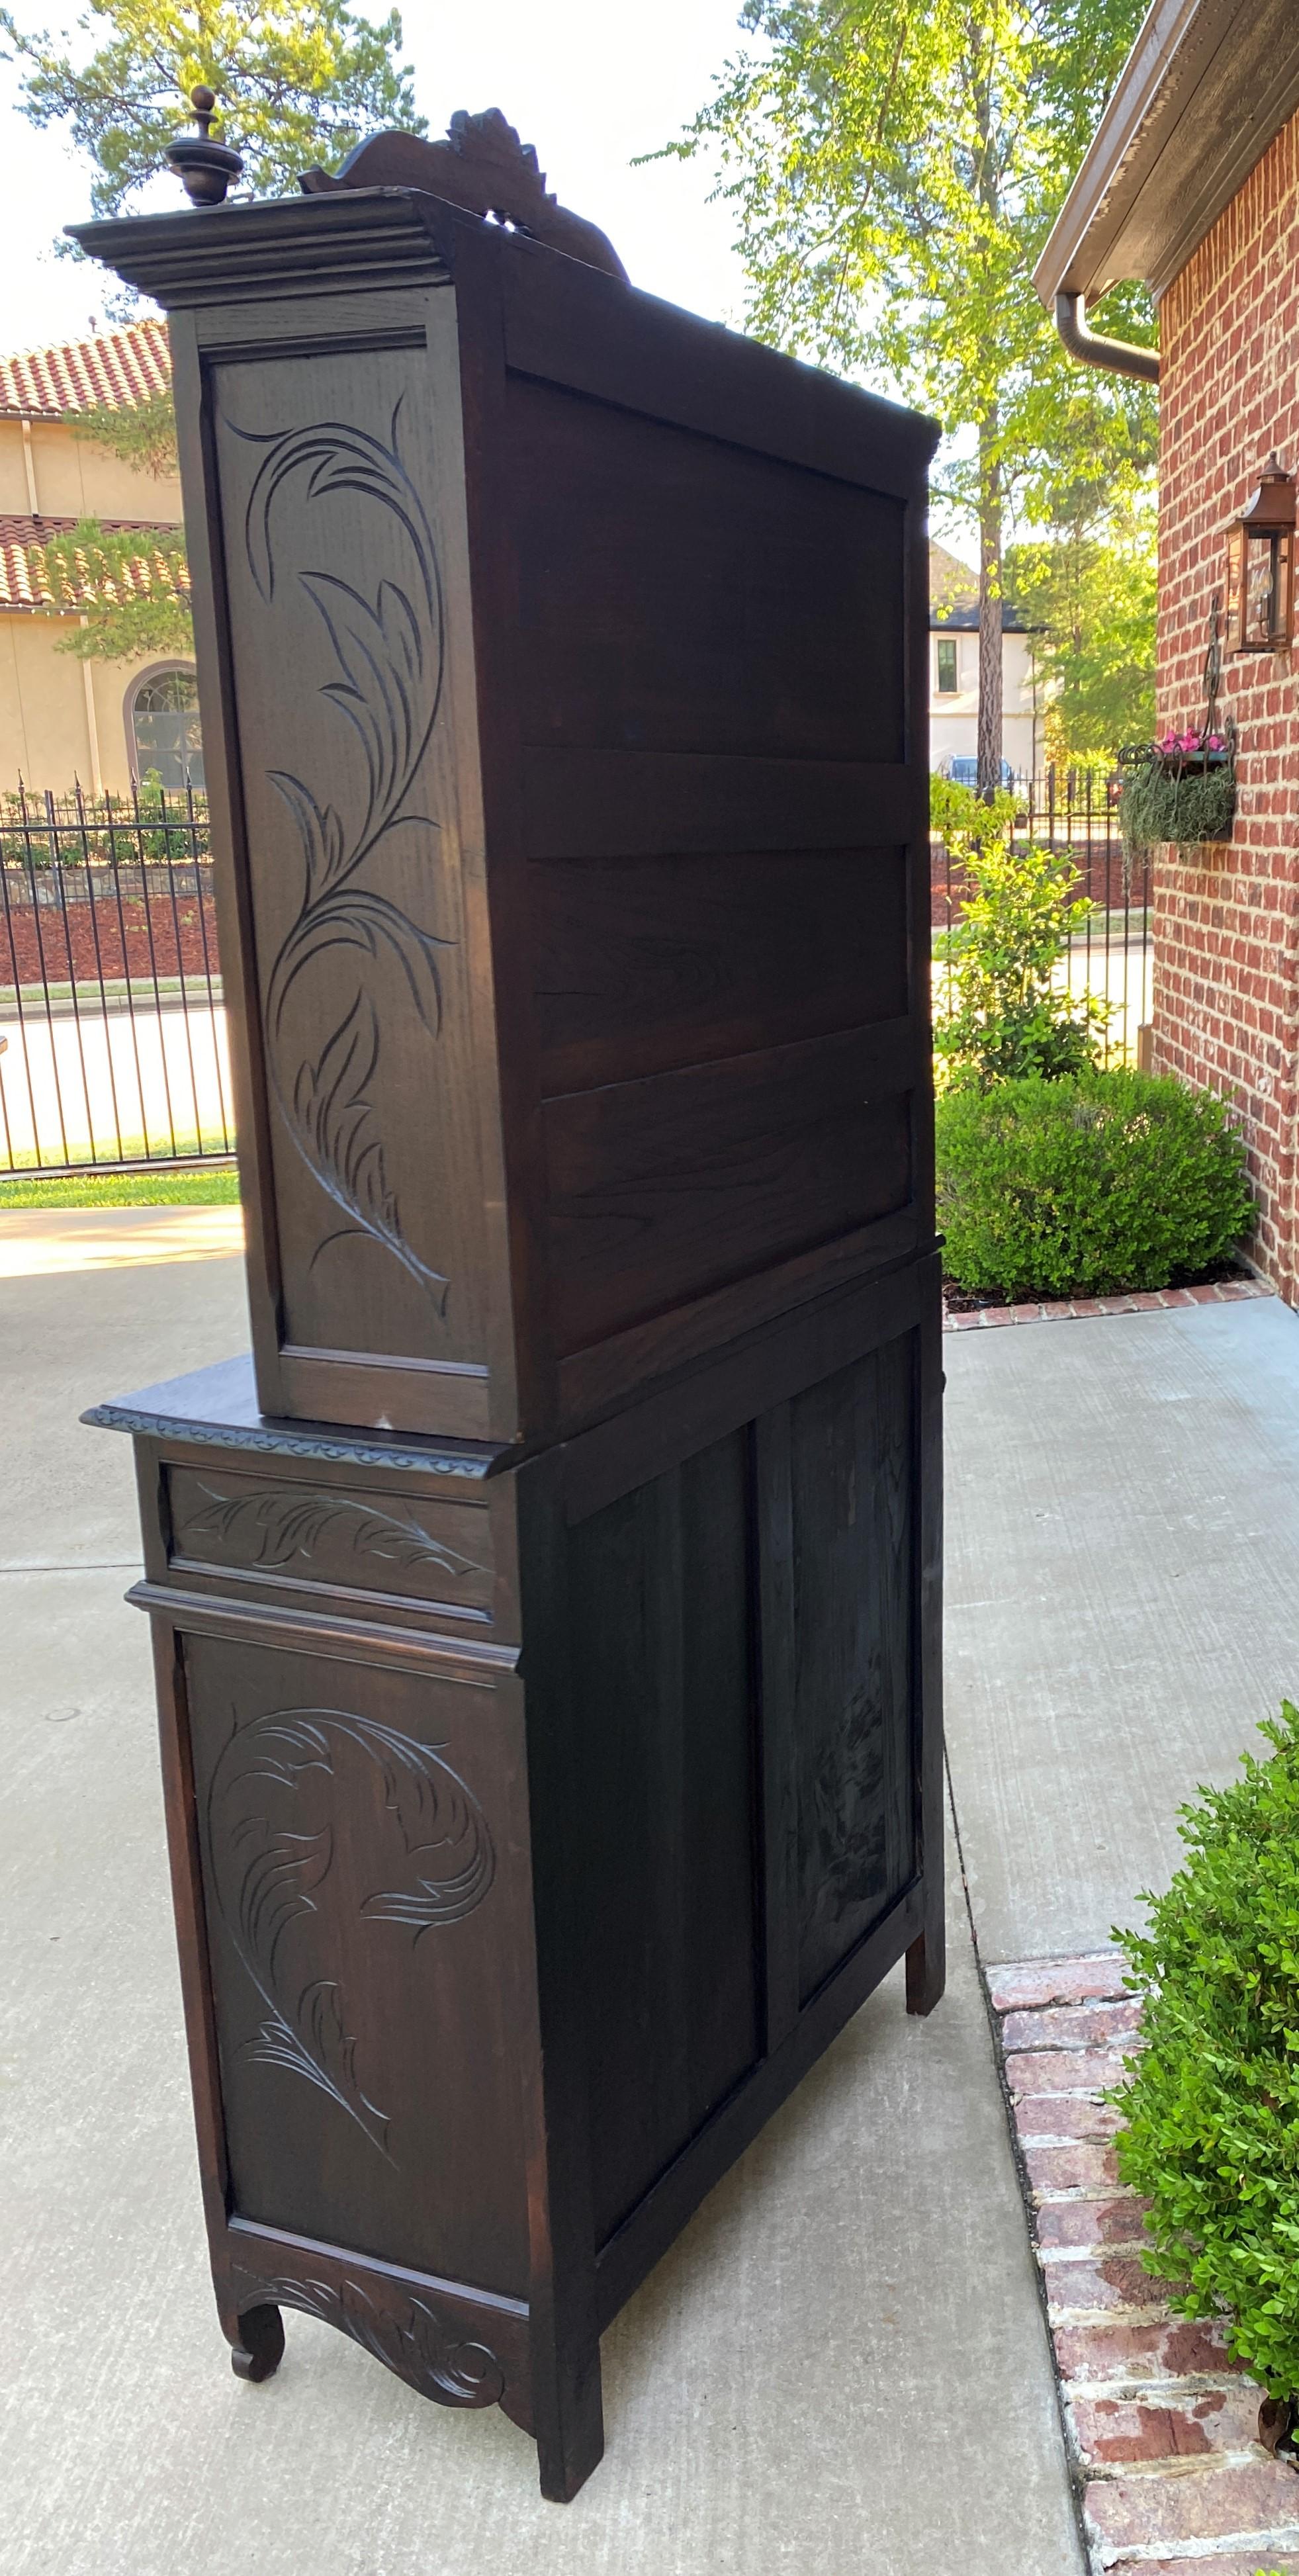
[[339, 642], [355, 1826], [328, 1540], [440, 2351]]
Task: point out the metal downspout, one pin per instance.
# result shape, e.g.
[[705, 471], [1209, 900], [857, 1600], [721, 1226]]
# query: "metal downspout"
[[1118, 357]]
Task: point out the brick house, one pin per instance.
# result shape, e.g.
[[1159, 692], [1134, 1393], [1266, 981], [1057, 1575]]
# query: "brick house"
[[1191, 185]]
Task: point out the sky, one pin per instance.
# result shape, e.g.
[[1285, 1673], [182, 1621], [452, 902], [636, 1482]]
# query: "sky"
[[590, 82]]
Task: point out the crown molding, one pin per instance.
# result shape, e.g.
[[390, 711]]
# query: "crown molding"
[[304, 245]]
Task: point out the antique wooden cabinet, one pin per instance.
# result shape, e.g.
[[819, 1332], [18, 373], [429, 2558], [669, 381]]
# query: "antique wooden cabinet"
[[547, 1618], [562, 664]]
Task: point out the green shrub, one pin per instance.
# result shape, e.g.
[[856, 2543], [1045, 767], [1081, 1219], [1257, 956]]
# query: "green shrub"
[[999, 1010], [966, 821], [1088, 1186], [1212, 2106]]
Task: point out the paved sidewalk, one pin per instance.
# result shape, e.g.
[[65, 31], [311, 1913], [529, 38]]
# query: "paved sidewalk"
[[842, 2365], [1122, 1598]]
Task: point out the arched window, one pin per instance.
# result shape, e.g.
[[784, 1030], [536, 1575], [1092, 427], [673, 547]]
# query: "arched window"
[[166, 741]]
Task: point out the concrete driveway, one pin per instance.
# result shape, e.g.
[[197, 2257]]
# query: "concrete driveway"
[[841, 2365]]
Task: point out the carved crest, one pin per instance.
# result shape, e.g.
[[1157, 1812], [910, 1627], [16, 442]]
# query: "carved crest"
[[482, 166]]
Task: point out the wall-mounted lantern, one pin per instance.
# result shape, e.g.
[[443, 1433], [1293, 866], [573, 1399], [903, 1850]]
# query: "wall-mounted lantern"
[[1260, 566]]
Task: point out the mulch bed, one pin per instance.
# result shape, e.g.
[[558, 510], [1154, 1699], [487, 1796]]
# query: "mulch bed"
[[108, 938], [971, 1301]]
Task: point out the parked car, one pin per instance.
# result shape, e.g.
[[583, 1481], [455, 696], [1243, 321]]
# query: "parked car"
[[965, 772]]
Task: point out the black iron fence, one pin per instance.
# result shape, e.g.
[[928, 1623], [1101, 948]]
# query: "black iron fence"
[[111, 1017], [1075, 814], [112, 1024]]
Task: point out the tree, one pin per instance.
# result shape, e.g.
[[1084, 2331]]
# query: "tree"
[[894, 171], [130, 587], [1001, 1012], [1088, 592], [140, 433], [299, 81]]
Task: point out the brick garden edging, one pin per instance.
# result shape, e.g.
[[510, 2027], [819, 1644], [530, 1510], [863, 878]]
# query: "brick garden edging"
[[1228, 1292], [1161, 2424]]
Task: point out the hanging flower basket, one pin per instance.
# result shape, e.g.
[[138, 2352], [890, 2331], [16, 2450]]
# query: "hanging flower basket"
[[1180, 789]]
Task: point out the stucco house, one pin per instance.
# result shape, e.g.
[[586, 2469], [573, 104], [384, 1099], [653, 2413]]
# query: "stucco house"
[[61, 719], [1191, 185], [954, 672]]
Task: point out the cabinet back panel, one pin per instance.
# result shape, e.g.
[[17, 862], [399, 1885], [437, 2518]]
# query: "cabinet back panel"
[[665, 1188], [663, 1685], [647, 964], [677, 593]]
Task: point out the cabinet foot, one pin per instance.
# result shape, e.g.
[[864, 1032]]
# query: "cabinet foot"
[[570, 2432], [926, 1970], [257, 2343]]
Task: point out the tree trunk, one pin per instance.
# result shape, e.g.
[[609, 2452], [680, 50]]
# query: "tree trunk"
[[990, 607]]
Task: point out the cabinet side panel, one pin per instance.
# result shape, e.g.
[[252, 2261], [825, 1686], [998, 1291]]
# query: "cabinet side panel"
[[662, 1663], [354, 740], [853, 1478], [359, 1845]]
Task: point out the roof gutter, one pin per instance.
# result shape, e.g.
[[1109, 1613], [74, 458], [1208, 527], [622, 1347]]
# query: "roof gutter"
[[1117, 357]]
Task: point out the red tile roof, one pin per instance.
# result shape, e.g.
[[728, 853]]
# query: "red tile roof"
[[116, 367], [24, 584]]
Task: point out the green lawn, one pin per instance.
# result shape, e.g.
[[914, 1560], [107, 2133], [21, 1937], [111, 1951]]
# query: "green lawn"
[[123, 1189]]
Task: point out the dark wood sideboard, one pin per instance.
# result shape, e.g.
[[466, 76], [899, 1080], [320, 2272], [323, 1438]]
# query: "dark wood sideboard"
[[546, 1618]]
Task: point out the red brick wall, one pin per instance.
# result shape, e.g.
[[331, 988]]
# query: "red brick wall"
[[1226, 919]]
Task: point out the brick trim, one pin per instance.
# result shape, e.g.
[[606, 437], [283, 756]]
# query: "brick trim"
[[1160, 2422], [1228, 1292]]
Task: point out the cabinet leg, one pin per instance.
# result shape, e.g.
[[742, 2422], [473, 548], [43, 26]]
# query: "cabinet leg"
[[256, 2342], [927, 1969], [570, 2427]]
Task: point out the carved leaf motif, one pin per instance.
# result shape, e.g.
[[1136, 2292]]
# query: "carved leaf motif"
[[389, 656], [289, 1525], [266, 1877], [403, 2332], [335, 1115]]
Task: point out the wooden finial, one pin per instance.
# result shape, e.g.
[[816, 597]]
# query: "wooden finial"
[[204, 168]]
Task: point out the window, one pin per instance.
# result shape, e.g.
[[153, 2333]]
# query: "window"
[[166, 739], [948, 683]]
